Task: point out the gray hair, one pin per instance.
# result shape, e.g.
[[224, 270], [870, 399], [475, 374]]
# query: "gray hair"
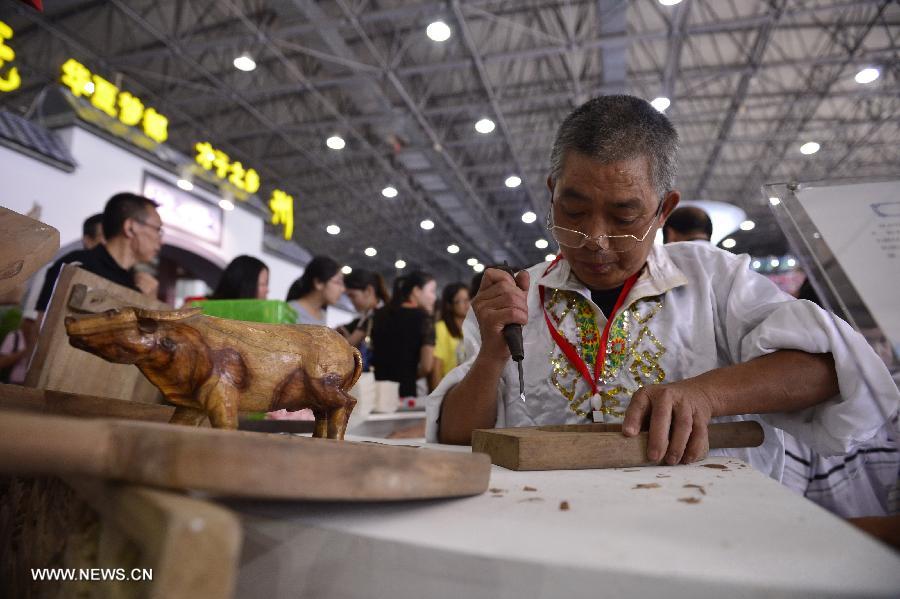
[[614, 128]]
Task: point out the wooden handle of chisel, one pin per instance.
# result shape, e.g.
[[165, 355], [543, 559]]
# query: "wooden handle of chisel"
[[724, 435]]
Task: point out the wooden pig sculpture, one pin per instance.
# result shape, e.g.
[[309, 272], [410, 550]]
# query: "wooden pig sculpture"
[[214, 367]]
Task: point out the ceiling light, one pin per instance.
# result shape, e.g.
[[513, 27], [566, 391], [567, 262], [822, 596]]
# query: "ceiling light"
[[370, 252], [346, 270], [774, 201], [89, 87], [816, 235], [529, 217], [756, 264], [867, 75], [244, 63], [549, 257], [427, 224], [485, 125], [399, 264], [669, 2], [541, 244], [747, 225], [335, 142], [389, 192], [809, 147], [513, 181], [661, 103], [472, 261], [438, 31], [728, 243], [478, 267], [184, 184], [333, 229], [226, 205], [774, 262], [453, 248], [791, 262]]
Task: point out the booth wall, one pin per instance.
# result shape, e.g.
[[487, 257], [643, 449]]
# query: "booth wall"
[[66, 199]]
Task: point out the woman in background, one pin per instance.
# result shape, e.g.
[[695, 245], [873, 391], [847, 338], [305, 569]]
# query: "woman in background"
[[245, 277], [367, 291], [320, 286], [403, 333], [448, 331]]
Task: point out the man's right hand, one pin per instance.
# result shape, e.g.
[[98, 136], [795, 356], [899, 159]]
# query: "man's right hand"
[[501, 300]]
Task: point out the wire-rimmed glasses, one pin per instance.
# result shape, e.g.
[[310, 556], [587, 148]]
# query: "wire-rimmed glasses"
[[610, 243]]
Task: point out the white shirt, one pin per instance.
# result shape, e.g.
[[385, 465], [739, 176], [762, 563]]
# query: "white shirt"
[[694, 308]]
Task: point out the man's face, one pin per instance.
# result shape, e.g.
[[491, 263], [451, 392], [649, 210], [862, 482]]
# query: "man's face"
[[147, 239], [607, 199], [92, 241]]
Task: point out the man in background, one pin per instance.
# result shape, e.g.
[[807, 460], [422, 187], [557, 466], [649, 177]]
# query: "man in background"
[[688, 223]]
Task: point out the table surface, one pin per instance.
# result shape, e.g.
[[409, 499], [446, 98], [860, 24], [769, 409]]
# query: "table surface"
[[712, 529]]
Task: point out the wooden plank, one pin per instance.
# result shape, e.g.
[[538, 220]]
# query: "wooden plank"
[[25, 246], [16, 397], [572, 447], [58, 366], [235, 463]]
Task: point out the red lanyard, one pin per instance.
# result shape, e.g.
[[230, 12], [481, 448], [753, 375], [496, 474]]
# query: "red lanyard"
[[569, 350]]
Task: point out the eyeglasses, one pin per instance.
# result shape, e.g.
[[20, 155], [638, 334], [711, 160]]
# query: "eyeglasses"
[[610, 243], [157, 228]]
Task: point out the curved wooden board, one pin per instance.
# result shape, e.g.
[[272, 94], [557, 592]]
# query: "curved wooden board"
[[25, 246]]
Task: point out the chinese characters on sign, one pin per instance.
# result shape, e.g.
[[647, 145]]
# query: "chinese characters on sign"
[[218, 162], [108, 98], [282, 207], [9, 80]]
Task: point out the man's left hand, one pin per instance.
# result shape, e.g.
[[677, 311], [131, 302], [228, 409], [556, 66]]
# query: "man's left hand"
[[678, 414]]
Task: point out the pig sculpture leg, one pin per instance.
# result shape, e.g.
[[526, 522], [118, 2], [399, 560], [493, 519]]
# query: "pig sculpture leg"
[[188, 416], [220, 401]]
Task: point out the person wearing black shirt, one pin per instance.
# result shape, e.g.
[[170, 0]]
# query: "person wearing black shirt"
[[403, 333], [133, 231]]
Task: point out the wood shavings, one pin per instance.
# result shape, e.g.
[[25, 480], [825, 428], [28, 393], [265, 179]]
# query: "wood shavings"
[[530, 500], [527, 488], [663, 476], [632, 470], [715, 466], [646, 486], [689, 499], [496, 490], [698, 487], [564, 506]]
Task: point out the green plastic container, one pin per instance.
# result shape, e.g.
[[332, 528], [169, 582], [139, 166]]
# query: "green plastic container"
[[250, 310]]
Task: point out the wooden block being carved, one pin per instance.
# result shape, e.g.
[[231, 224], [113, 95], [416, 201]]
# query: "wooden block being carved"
[[25, 246], [214, 367], [58, 366], [235, 464], [579, 446]]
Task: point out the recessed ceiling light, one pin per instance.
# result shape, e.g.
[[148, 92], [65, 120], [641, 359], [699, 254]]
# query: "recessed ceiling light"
[[400, 264], [729, 243], [453, 248], [226, 204], [184, 184], [427, 224], [89, 87], [660, 103], [472, 261], [335, 142], [529, 217], [791, 262], [809, 147], [370, 252], [774, 262], [346, 270], [333, 229], [513, 181], [669, 2], [774, 201], [438, 31], [541, 244], [756, 264], [867, 75], [244, 62], [485, 125], [747, 225], [389, 192], [478, 267], [549, 257]]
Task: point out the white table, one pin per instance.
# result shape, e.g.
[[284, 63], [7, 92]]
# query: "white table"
[[747, 536]]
